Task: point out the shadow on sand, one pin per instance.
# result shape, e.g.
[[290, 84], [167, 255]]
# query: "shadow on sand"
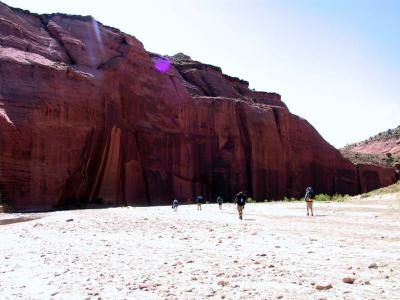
[[15, 220]]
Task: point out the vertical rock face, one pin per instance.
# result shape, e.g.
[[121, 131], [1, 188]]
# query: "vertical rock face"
[[85, 117], [371, 176]]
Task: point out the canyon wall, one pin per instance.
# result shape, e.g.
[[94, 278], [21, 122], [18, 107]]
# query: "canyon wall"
[[86, 117]]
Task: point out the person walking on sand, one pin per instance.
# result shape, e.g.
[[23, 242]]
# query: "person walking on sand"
[[240, 201], [175, 204], [220, 201], [309, 198], [200, 201]]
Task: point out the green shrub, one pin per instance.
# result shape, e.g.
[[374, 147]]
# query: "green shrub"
[[291, 199], [250, 200], [322, 197], [339, 197], [319, 197]]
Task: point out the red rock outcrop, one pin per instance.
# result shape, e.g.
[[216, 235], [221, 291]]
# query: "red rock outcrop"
[[207, 80], [371, 176], [85, 117], [382, 149]]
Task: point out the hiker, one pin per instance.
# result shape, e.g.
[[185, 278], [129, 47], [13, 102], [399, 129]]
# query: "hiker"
[[175, 204], [220, 201], [200, 201], [309, 198], [240, 201]]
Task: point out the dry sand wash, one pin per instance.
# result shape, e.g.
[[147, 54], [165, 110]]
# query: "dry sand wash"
[[150, 253]]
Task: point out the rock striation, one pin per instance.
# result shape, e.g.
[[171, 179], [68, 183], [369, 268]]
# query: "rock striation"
[[85, 117]]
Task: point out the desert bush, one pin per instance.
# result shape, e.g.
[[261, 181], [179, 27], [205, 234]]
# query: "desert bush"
[[250, 200], [322, 197], [292, 199], [339, 197]]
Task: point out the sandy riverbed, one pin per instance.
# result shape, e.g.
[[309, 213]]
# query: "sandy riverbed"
[[276, 252]]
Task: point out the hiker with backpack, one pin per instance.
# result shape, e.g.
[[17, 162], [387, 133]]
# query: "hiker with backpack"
[[175, 204], [200, 201], [220, 201], [240, 201], [309, 198]]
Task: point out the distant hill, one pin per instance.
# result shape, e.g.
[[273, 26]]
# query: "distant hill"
[[382, 149]]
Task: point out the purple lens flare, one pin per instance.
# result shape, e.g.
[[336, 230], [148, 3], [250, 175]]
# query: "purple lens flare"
[[162, 64]]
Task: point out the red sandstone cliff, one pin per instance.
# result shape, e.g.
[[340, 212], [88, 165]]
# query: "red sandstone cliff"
[[84, 116]]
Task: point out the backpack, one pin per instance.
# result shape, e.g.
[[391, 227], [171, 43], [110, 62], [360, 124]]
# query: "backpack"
[[309, 192], [241, 200]]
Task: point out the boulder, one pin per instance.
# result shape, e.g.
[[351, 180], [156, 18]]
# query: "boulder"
[[348, 280], [324, 286]]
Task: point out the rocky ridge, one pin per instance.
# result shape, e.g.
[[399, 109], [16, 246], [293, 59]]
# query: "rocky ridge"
[[382, 149]]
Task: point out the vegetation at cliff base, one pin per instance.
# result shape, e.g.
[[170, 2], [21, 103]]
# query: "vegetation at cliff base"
[[394, 188], [321, 197]]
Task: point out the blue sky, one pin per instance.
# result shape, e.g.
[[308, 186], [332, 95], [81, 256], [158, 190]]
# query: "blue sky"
[[335, 63]]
